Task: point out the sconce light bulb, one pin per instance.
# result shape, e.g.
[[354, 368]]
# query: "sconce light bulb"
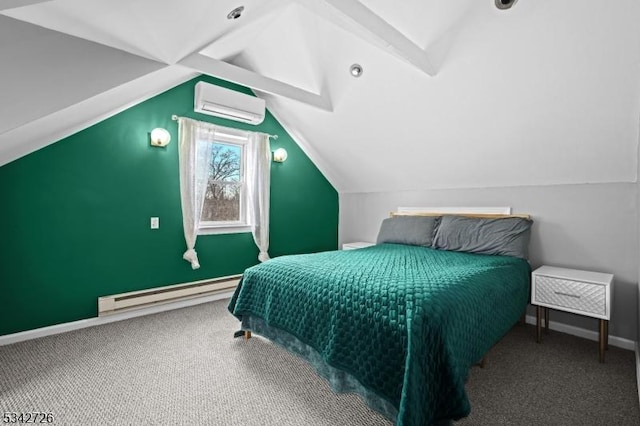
[[160, 137], [280, 155]]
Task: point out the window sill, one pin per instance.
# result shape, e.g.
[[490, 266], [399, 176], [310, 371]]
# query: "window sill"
[[215, 230]]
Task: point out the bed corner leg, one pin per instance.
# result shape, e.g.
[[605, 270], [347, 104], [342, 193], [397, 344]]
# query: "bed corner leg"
[[247, 335], [483, 362]]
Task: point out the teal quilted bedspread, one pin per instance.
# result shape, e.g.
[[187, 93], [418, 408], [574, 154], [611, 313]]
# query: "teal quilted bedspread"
[[407, 322]]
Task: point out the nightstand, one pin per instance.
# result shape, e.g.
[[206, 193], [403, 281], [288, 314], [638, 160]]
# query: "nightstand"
[[356, 245], [572, 290]]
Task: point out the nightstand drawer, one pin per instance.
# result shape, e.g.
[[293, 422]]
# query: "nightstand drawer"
[[572, 290], [576, 295]]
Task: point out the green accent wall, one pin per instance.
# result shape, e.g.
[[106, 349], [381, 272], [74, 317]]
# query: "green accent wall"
[[74, 216]]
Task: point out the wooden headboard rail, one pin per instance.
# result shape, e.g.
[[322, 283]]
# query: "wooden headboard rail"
[[474, 215]]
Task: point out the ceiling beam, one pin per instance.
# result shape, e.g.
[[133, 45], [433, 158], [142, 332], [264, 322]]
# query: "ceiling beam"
[[244, 77], [12, 4], [376, 28]]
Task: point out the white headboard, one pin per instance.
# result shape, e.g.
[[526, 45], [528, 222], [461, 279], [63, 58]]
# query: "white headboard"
[[456, 210]]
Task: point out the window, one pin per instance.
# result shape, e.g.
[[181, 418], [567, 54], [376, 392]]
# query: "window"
[[225, 199], [225, 189]]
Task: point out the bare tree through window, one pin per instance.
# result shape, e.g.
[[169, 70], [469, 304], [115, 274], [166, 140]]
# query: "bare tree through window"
[[222, 201]]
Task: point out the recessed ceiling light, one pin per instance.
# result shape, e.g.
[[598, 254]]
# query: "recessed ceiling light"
[[505, 4], [235, 13], [356, 70]]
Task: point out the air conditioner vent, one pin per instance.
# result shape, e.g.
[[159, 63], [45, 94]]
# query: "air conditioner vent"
[[225, 103]]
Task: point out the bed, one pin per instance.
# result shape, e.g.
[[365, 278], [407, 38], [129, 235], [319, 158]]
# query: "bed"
[[400, 324]]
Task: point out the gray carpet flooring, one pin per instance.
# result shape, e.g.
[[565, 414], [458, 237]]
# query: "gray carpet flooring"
[[183, 367]]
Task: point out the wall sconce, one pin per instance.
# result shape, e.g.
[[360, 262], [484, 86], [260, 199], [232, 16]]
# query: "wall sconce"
[[160, 137], [280, 155]]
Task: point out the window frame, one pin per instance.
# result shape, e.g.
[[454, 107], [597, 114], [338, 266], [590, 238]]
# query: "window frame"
[[231, 227]]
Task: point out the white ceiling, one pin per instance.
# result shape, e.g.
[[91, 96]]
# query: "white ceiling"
[[453, 94]]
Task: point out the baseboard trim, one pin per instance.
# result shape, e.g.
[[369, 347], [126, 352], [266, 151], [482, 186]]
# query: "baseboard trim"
[[90, 322], [8, 339], [616, 341]]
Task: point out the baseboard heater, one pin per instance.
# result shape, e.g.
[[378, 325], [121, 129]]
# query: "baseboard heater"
[[108, 305]]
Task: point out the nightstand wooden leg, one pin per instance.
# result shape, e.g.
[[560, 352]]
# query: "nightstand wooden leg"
[[606, 335], [538, 324], [546, 320], [603, 345]]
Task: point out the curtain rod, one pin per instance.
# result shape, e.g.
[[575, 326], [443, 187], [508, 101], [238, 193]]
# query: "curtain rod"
[[175, 118]]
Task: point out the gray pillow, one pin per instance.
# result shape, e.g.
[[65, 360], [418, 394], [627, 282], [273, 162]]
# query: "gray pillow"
[[411, 230], [508, 236]]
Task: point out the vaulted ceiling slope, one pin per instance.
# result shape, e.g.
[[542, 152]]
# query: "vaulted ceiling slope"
[[453, 94]]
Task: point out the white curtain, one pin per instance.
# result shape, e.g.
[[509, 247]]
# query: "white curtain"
[[258, 186], [194, 152]]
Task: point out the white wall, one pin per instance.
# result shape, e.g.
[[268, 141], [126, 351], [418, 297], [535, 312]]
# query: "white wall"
[[545, 93], [589, 226], [44, 71], [638, 264]]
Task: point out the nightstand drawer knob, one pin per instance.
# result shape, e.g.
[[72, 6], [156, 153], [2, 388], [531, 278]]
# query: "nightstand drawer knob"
[[559, 293]]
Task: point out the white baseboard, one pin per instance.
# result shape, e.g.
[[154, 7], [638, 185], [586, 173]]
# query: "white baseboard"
[[616, 341], [90, 322]]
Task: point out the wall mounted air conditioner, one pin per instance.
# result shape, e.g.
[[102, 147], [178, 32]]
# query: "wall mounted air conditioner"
[[220, 102]]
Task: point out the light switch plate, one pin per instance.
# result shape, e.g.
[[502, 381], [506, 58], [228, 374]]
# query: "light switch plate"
[[155, 222]]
